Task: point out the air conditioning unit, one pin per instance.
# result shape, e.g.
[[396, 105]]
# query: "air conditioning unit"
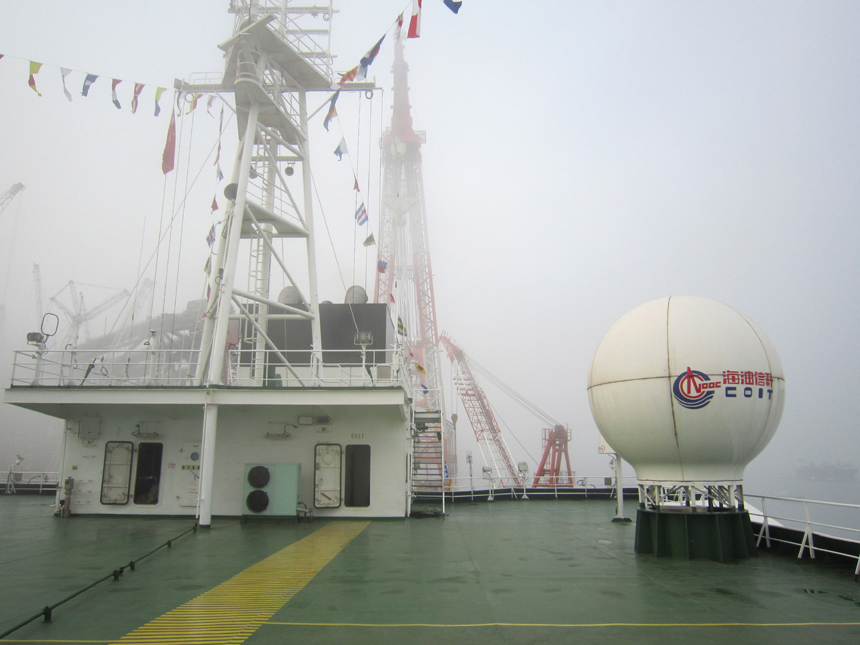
[[271, 489]]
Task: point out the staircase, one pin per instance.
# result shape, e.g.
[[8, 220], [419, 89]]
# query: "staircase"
[[427, 469]]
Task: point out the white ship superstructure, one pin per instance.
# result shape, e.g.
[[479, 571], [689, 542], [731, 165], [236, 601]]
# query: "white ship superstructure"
[[284, 404]]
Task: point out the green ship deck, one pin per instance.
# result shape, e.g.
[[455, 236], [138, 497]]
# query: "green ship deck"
[[537, 571]]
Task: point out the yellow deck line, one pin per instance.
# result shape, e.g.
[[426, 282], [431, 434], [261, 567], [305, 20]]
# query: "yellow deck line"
[[569, 625], [233, 610], [564, 624]]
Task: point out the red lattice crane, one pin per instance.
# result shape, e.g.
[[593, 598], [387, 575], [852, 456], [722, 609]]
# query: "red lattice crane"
[[554, 469], [487, 431]]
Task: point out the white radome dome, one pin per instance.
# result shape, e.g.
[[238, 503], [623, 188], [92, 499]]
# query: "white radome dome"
[[686, 389]]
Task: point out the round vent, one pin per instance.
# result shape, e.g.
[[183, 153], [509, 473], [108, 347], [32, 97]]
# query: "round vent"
[[258, 476], [257, 501]]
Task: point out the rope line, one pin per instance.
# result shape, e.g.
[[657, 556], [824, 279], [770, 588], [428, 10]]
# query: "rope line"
[[140, 275], [181, 234], [333, 249]]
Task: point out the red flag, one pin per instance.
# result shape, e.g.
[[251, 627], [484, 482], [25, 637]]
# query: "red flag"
[[332, 111], [34, 69], [415, 21], [348, 76], [169, 146], [355, 187], [114, 98], [193, 105], [138, 88], [214, 205]]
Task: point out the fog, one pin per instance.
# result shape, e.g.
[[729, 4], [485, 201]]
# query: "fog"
[[582, 158]]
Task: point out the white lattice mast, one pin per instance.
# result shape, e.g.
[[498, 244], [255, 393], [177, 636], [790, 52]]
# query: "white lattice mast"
[[406, 283], [278, 53]]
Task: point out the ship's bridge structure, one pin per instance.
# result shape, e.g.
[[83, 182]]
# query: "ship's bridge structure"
[[304, 407]]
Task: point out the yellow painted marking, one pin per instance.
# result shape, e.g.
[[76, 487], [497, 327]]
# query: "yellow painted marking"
[[566, 625], [235, 609], [196, 639]]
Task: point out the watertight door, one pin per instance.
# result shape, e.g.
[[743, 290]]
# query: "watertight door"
[[117, 472], [327, 465]]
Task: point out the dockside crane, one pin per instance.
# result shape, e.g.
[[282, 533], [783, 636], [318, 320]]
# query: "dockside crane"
[[7, 197], [37, 287], [78, 315], [554, 468], [487, 432]]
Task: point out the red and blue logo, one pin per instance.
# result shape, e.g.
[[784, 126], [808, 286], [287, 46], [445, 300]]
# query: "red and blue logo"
[[693, 389]]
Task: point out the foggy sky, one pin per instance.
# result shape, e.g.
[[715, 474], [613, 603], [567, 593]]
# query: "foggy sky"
[[582, 158]]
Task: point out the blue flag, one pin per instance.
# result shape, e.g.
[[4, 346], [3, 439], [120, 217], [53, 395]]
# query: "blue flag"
[[340, 151], [89, 80]]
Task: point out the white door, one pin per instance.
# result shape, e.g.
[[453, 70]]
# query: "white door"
[[117, 472], [327, 475]]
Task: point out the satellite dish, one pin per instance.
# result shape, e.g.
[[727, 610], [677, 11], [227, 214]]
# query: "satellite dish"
[[355, 295]]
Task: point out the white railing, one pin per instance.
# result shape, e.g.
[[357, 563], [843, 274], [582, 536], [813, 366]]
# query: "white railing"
[[176, 368], [462, 487], [301, 27], [797, 514], [30, 480]]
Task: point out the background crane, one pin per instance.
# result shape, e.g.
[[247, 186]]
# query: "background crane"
[[37, 287], [554, 468], [6, 199], [490, 440], [78, 315], [9, 195]]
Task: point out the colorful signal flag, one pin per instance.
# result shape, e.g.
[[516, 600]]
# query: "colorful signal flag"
[[361, 214]]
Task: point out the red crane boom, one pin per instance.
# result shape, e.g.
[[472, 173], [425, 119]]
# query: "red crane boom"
[[487, 431]]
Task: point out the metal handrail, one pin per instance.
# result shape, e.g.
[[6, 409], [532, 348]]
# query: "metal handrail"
[[455, 486], [809, 534], [176, 368], [48, 611]]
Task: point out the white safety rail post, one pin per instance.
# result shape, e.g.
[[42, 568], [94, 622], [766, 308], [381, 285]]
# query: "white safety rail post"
[[807, 535], [765, 528]]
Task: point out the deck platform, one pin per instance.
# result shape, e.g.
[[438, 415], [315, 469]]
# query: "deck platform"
[[537, 571]]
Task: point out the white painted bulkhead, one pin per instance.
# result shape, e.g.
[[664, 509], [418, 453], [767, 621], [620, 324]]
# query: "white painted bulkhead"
[[242, 438]]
